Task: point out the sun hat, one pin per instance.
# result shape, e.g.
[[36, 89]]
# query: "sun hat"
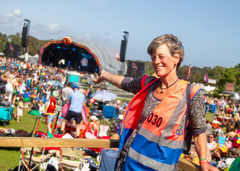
[[120, 117], [94, 117]]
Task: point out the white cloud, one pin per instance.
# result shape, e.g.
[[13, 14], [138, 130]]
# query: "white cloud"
[[8, 18], [11, 23], [51, 31], [97, 39], [53, 27], [17, 12]]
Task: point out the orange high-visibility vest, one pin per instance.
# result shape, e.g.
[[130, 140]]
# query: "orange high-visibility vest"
[[156, 146]]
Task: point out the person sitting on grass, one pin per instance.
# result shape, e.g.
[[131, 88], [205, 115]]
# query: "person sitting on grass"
[[211, 144], [93, 126], [26, 96], [35, 108], [41, 108], [219, 130]]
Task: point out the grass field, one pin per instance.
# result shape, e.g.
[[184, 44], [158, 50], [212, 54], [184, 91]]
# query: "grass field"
[[9, 157]]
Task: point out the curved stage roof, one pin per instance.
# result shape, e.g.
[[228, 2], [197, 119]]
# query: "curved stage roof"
[[82, 55]]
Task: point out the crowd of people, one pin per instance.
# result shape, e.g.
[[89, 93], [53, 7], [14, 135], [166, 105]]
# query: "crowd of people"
[[223, 132], [164, 113], [45, 91]]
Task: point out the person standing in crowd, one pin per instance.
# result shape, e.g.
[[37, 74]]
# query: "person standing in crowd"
[[207, 105], [152, 125], [77, 99], [117, 107], [20, 108], [48, 93], [15, 91], [234, 110], [222, 107], [51, 112], [9, 88], [66, 91]]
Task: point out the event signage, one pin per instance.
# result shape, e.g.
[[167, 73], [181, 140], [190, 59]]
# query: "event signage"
[[212, 81], [229, 87]]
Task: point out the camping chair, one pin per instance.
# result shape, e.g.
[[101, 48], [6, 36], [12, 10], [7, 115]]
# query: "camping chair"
[[221, 145], [38, 161], [221, 148], [72, 154], [109, 112]]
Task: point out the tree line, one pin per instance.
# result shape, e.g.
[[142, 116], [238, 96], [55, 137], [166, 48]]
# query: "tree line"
[[221, 74], [34, 44]]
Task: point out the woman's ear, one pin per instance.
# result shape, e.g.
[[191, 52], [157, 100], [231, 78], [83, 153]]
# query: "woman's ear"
[[176, 58]]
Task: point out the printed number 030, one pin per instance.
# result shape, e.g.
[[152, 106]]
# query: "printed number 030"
[[154, 120]]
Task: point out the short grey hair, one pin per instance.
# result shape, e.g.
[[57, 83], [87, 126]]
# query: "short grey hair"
[[172, 42]]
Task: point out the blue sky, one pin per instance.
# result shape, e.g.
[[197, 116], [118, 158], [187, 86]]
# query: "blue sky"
[[209, 30]]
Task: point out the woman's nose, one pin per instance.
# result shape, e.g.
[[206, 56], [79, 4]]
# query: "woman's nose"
[[156, 59]]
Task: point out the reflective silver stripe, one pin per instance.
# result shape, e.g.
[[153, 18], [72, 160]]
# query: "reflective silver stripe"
[[166, 132], [149, 162], [160, 140]]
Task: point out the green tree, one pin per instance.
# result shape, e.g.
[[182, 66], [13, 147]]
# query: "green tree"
[[3, 42], [216, 73], [15, 39], [34, 44], [230, 75], [183, 72]]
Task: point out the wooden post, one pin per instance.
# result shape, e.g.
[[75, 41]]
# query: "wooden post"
[[56, 142], [76, 142]]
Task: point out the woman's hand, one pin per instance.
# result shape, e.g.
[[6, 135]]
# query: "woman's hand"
[[208, 167], [99, 78]]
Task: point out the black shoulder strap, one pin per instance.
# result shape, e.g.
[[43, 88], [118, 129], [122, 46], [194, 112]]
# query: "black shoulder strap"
[[187, 136], [188, 100], [148, 80]]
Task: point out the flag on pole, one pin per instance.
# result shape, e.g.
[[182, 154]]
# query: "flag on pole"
[[205, 78], [189, 72]]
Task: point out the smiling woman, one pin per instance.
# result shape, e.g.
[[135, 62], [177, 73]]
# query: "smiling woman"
[[155, 121]]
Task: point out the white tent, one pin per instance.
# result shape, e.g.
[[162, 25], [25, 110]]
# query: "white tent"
[[35, 55], [106, 56], [209, 88], [33, 59], [25, 56], [29, 58], [22, 56]]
